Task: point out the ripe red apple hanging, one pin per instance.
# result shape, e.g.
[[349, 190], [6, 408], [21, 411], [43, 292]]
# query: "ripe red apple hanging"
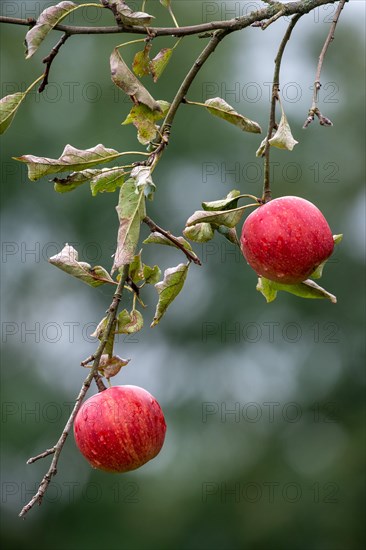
[[120, 429], [286, 239]]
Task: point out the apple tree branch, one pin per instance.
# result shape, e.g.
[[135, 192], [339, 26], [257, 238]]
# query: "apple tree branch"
[[314, 109], [56, 450]]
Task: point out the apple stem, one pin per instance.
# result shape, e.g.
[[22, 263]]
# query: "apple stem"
[[99, 382], [267, 195]]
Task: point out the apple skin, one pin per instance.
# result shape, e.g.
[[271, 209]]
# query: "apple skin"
[[286, 239], [120, 429]]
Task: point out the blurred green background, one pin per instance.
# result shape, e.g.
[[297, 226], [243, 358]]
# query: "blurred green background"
[[264, 403]]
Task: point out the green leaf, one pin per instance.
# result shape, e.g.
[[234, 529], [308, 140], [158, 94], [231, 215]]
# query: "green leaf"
[[141, 61], [71, 159], [337, 238], [218, 107], [128, 323], [143, 180], [107, 181], [139, 272], [165, 3], [143, 118], [283, 138], [267, 288], [168, 289], [73, 180], [200, 233], [48, 19], [131, 211], [159, 63], [129, 83], [102, 180], [8, 108], [67, 260], [136, 271], [100, 273], [229, 218], [261, 148], [152, 274], [319, 270], [158, 238], [10, 104], [230, 234], [230, 201], [306, 289], [128, 16]]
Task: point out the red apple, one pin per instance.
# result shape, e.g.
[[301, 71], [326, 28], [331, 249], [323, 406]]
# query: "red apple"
[[286, 239], [120, 429]]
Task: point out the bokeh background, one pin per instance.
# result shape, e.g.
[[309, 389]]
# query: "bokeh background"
[[264, 403]]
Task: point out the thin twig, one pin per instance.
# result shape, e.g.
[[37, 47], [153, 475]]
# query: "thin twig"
[[314, 110], [190, 255], [232, 24], [29, 22], [163, 141], [180, 95], [273, 19], [49, 59], [191, 75], [272, 116], [45, 453], [87, 361], [56, 450]]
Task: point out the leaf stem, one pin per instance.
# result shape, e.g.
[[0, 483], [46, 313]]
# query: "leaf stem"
[[130, 42], [90, 5], [177, 42], [34, 83], [194, 103], [173, 16], [134, 153], [246, 196]]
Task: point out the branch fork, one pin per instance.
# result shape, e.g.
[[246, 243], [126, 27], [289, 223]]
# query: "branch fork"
[[49, 60], [314, 110], [155, 228]]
